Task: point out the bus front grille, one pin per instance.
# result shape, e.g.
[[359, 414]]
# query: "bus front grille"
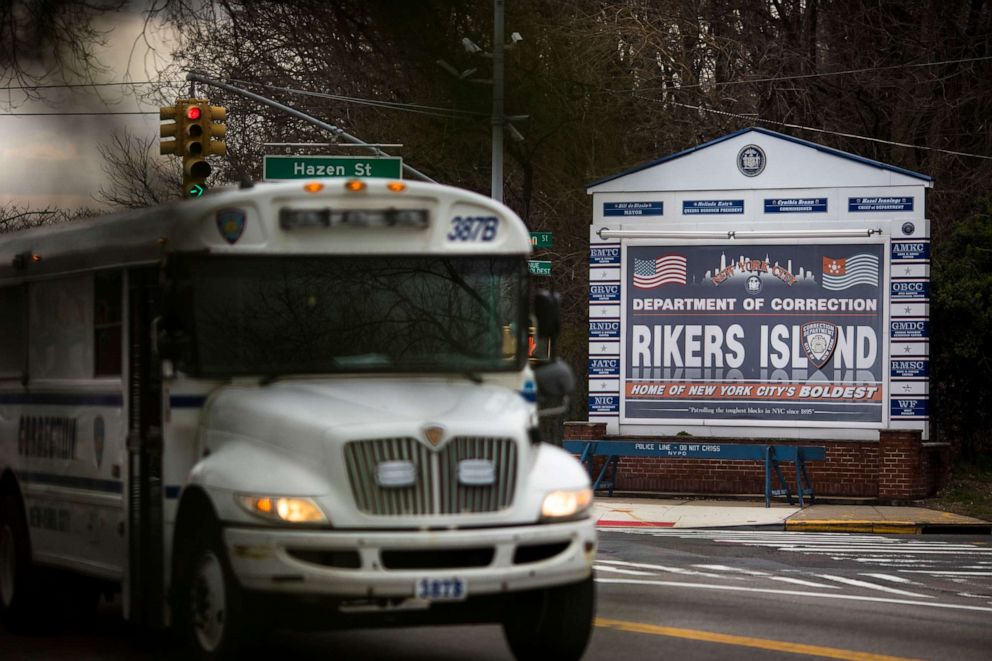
[[435, 486]]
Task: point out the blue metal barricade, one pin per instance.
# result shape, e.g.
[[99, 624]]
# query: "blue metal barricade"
[[770, 454]]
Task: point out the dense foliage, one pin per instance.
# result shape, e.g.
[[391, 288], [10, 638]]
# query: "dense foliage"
[[961, 345]]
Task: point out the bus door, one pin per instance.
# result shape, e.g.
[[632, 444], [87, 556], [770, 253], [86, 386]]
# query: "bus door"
[[144, 590]]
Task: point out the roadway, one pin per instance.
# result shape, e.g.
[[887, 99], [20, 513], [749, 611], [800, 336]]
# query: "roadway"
[[699, 594]]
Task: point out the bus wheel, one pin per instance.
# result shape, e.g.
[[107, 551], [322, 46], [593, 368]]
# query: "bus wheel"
[[18, 598], [554, 623], [210, 609]]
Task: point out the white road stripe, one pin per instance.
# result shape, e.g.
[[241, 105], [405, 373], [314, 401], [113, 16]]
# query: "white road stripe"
[[781, 579], [936, 572], [871, 586], [890, 577], [794, 593], [852, 551], [671, 570], [618, 570]]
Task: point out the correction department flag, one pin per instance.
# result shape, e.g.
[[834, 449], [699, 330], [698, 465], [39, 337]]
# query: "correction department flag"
[[665, 270], [845, 272]]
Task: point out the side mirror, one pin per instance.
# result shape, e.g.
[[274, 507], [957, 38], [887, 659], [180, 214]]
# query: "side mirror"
[[547, 312]]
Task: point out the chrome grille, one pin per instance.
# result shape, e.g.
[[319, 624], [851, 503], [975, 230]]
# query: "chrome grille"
[[437, 489]]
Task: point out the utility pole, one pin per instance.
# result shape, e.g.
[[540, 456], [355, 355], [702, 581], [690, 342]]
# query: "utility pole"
[[497, 168]]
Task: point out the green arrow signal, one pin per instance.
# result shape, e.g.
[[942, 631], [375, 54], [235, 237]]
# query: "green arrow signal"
[[197, 190]]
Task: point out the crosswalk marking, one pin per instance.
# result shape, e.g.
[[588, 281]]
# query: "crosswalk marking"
[[799, 593], [871, 586], [781, 579], [890, 577]]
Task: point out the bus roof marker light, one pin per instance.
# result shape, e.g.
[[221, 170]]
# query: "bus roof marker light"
[[396, 186], [313, 187], [355, 185], [22, 259]]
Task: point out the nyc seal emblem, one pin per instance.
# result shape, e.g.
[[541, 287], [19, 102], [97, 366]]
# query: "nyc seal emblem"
[[231, 224], [751, 160], [819, 341]]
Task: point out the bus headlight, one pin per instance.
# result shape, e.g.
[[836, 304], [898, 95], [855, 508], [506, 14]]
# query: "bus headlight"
[[286, 509], [566, 503]]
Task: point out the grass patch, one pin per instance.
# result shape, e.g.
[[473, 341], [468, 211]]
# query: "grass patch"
[[968, 491]]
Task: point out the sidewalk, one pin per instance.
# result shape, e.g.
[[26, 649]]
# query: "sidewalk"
[[684, 513]]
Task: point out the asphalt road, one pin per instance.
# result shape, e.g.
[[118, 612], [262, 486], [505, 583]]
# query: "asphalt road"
[[692, 594]]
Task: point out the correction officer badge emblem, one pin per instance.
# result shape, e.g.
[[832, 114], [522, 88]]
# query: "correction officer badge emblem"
[[434, 434], [819, 341], [231, 224]]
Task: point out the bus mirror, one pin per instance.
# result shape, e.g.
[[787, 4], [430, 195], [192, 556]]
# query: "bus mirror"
[[546, 310]]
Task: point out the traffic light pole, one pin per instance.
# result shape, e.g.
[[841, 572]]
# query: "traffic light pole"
[[339, 132]]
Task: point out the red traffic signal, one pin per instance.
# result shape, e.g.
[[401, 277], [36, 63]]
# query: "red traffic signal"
[[193, 112]]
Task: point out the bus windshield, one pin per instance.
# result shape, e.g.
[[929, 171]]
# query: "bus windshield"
[[272, 316]]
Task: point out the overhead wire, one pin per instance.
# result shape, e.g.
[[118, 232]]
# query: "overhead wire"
[[754, 118]]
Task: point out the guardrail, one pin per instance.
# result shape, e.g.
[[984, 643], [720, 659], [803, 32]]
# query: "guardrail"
[[614, 450]]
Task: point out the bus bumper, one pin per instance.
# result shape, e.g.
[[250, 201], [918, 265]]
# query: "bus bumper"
[[400, 564]]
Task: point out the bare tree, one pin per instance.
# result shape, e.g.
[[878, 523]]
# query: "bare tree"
[[137, 179], [51, 41], [14, 218]]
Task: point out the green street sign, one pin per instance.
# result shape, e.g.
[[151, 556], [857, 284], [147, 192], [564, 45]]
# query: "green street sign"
[[540, 240], [539, 267], [277, 168]]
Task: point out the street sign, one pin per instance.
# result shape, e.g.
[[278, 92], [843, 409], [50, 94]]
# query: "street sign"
[[540, 240], [276, 168], [539, 267]]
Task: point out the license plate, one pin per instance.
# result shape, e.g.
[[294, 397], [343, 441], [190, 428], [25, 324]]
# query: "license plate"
[[441, 589]]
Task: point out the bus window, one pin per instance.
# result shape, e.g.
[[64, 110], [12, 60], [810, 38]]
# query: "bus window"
[[60, 325], [107, 323], [12, 326]]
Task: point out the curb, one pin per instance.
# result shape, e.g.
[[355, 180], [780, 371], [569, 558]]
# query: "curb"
[[889, 527], [839, 525], [634, 524]]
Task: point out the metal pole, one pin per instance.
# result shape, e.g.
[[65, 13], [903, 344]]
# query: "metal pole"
[[497, 174], [304, 116]]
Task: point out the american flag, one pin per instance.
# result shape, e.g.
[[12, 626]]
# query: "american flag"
[[845, 272], [665, 270]]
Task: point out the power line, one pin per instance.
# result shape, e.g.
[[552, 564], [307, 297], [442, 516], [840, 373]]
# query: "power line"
[[451, 113], [70, 114], [753, 118], [73, 85], [825, 74]]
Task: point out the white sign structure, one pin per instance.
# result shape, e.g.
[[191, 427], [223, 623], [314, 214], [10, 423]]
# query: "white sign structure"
[[760, 285]]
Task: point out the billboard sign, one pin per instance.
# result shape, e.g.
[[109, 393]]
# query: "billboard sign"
[[780, 333]]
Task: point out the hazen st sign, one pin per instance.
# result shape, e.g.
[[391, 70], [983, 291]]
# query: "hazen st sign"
[[276, 168]]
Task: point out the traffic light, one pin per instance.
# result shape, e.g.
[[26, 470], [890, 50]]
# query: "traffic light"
[[196, 136], [196, 128], [202, 129], [171, 117]]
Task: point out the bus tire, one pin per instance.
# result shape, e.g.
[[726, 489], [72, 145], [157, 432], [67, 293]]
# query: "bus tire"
[[551, 624], [19, 596], [210, 610]]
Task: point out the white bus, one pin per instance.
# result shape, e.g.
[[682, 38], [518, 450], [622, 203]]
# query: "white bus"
[[298, 404]]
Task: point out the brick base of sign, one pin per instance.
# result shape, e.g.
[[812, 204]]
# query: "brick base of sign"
[[897, 467]]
